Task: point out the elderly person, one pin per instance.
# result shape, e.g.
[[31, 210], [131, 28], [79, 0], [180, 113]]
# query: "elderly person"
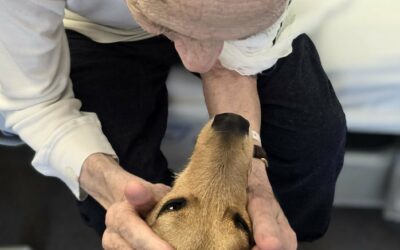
[[83, 83]]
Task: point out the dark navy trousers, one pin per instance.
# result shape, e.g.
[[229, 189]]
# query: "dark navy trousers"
[[303, 126]]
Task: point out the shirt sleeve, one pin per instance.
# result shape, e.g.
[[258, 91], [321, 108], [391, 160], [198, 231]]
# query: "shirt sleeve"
[[36, 97], [259, 52], [256, 53]]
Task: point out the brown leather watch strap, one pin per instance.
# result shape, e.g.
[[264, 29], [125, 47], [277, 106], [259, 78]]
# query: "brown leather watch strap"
[[259, 153]]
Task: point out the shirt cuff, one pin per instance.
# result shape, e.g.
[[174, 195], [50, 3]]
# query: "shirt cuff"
[[256, 53], [64, 154]]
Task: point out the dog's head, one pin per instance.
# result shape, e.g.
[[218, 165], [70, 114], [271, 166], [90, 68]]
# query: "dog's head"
[[206, 208]]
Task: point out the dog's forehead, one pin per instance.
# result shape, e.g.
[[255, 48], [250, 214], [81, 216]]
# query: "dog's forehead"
[[204, 233]]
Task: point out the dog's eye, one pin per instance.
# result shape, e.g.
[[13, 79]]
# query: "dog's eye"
[[240, 223], [173, 205]]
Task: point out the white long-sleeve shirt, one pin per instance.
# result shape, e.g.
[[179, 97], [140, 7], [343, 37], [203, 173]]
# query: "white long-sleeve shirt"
[[36, 97]]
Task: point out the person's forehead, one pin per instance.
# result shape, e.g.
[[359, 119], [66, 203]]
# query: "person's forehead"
[[212, 19]]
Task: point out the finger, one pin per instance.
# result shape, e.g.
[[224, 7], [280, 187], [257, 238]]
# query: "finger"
[[266, 230], [282, 220], [263, 215], [267, 236], [160, 190], [139, 234], [292, 242], [124, 221], [287, 232], [271, 231], [113, 241], [144, 197], [140, 196]]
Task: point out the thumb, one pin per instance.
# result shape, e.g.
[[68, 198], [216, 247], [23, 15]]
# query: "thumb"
[[140, 196]]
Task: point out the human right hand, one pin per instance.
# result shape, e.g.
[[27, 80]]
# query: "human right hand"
[[125, 228]]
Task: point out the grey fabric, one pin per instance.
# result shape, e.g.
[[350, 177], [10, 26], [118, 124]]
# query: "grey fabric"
[[392, 205], [7, 139]]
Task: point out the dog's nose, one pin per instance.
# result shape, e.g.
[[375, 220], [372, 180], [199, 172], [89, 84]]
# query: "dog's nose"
[[232, 123]]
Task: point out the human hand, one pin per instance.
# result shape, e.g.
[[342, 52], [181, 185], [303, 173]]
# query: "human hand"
[[127, 199], [125, 228], [271, 229]]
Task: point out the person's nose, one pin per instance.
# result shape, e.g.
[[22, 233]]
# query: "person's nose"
[[198, 56]]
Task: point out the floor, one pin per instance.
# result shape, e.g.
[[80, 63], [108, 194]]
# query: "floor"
[[41, 212]]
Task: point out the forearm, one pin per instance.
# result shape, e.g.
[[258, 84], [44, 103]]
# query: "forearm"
[[228, 91]]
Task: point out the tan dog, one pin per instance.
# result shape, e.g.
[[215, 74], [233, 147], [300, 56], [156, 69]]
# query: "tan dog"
[[206, 208]]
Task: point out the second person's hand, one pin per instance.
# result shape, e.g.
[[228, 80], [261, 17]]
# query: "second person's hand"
[[125, 228]]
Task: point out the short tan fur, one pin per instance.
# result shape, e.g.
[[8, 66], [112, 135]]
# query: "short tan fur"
[[206, 208]]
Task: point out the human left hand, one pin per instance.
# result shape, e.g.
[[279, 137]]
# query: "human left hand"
[[271, 229]]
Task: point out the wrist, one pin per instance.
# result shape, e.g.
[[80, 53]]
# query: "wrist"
[[258, 173], [258, 166], [103, 179], [258, 182]]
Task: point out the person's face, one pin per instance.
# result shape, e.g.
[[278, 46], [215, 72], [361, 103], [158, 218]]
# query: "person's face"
[[200, 27]]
